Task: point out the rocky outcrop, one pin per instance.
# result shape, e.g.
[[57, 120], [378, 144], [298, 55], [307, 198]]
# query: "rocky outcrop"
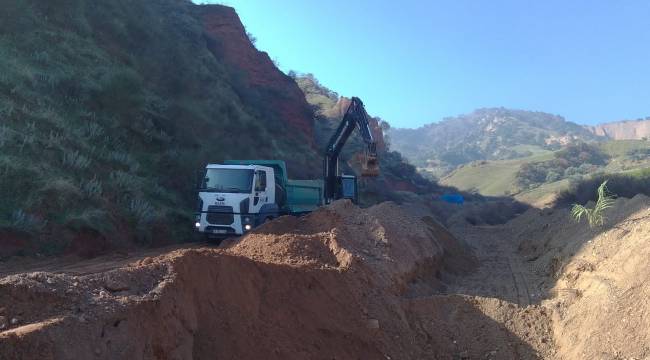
[[259, 75], [623, 130]]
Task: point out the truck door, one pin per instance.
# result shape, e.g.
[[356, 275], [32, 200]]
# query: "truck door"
[[260, 194]]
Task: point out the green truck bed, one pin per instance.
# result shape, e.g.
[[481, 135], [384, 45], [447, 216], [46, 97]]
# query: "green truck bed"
[[304, 195]]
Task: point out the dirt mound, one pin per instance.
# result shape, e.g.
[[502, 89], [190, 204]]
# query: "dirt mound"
[[329, 285], [596, 280], [385, 282]]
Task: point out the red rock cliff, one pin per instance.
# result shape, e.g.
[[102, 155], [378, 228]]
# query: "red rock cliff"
[[278, 91]]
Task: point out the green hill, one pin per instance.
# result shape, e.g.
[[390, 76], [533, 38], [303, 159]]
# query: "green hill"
[[485, 134], [107, 109]]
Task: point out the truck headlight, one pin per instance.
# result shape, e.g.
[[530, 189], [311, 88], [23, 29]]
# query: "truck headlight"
[[247, 227], [197, 224]]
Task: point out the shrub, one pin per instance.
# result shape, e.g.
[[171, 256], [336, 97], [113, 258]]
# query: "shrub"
[[23, 221], [596, 215], [90, 130], [123, 158], [553, 176], [142, 212], [75, 160], [92, 188], [125, 181], [623, 185], [54, 140], [6, 135]]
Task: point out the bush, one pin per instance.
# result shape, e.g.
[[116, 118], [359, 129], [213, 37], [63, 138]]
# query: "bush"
[[639, 154], [22, 221], [142, 212], [623, 185], [92, 188], [75, 160]]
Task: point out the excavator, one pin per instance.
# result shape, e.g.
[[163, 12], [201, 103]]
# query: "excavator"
[[337, 186], [238, 195]]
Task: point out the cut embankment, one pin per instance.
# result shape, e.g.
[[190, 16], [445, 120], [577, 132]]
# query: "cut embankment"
[[597, 280]]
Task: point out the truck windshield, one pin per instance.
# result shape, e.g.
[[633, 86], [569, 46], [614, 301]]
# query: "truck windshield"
[[228, 180]]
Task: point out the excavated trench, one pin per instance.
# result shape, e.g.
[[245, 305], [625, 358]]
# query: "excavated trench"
[[341, 283]]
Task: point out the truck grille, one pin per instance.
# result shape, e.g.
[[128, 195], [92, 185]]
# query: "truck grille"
[[220, 215]]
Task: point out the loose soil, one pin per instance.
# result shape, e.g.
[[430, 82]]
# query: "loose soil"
[[385, 282]]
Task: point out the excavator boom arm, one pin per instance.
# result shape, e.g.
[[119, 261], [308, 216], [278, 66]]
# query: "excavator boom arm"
[[355, 117]]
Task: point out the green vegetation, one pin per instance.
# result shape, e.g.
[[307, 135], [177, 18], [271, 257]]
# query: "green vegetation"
[[491, 178], [107, 109], [540, 178], [573, 161], [625, 184], [596, 215]]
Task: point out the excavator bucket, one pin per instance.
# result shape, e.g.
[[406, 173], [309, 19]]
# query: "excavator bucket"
[[370, 166]]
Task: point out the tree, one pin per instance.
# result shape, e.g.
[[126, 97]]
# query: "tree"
[[552, 176], [251, 37]]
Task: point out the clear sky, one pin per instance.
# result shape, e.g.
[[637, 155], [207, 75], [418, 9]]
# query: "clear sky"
[[416, 61]]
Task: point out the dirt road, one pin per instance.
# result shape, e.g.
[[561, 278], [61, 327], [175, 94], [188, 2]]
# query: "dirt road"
[[502, 272], [75, 265]]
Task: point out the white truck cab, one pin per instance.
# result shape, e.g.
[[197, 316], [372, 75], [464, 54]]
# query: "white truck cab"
[[233, 199]]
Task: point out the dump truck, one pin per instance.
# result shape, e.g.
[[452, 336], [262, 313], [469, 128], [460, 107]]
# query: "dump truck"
[[238, 195]]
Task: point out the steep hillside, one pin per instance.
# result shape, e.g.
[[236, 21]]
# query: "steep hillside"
[[263, 84], [107, 109], [623, 130], [396, 173], [486, 134]]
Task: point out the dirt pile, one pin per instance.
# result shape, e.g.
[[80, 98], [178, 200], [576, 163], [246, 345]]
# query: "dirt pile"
[[387, 282], [329, 285], [596, 281]]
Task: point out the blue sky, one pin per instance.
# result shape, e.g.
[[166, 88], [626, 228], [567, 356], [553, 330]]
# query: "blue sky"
[[415, 62]]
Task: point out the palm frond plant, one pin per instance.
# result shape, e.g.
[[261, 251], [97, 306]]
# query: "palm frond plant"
[[595, 216]]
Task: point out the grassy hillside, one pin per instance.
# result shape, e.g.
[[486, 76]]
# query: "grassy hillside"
[[492, 178], [106, 111], [502, 177]]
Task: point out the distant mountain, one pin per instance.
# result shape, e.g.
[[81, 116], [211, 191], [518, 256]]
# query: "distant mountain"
[[623, 130], [485, 134]]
